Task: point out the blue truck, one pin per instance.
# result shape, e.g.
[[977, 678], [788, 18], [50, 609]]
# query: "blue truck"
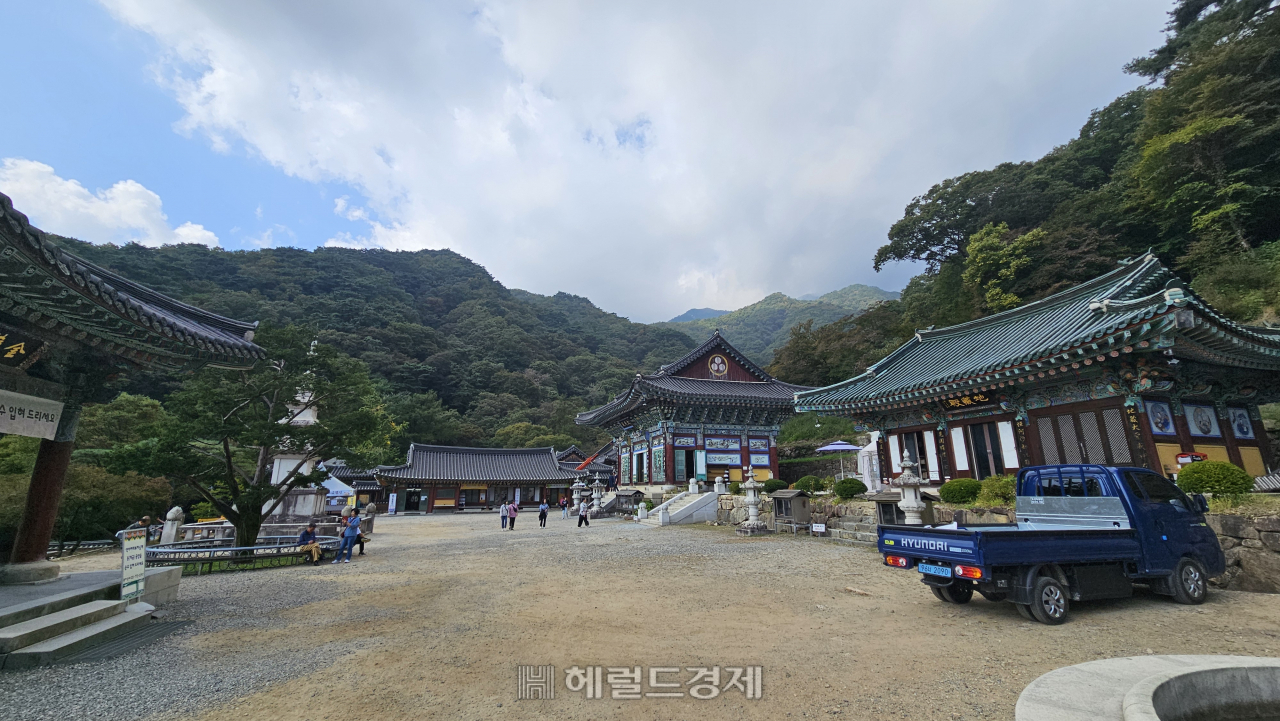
[[1083, 532]]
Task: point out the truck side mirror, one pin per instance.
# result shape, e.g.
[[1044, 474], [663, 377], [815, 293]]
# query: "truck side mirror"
[[1201, 503]]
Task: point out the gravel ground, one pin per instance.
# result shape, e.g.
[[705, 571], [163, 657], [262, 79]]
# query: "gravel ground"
[[432, 623]]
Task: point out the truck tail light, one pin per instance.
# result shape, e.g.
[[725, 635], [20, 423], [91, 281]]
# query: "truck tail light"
[[898, 561], [968, 571]]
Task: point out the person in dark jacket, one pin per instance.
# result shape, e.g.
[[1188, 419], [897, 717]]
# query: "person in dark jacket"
[[309, 543]]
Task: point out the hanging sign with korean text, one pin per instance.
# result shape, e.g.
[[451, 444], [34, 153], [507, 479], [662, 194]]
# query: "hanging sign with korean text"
[[22, 415]]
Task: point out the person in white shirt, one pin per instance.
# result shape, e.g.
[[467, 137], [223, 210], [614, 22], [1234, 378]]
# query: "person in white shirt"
[[583, 511]]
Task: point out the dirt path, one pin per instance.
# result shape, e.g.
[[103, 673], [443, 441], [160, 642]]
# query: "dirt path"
[[446, 607]]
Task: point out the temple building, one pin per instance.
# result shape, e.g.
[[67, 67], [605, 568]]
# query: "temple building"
[[437, 478], [363, 483], [1131, 368], [66, 326], [601, 463], [711, 413]]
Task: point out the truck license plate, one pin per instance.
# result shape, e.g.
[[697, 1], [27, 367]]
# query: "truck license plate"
[[932, 570]]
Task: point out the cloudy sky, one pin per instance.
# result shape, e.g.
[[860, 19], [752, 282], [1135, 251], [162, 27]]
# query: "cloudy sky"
[[651, 156]]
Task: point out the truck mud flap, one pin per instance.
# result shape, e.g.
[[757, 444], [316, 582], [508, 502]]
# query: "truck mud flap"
[[936, 581]]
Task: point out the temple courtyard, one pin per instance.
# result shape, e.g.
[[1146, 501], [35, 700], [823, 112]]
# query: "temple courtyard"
[[435, 620]]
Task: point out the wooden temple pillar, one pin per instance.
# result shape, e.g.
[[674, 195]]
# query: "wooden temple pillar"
[[27, 562]]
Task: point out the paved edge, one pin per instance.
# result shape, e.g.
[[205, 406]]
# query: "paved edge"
[[1139, 703], [1096, 690]]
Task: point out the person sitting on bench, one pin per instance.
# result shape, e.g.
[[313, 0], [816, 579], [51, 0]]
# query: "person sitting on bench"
[[307, 539]]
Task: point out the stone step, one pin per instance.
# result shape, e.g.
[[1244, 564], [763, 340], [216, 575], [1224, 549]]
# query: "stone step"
[[96, 590], [27, 633], [53, 649]]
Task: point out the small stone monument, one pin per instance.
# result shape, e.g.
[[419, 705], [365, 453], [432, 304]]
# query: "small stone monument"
[[579, 487], [911, 503], [722, 488], [753, 526], [172, 520], [693, 484]]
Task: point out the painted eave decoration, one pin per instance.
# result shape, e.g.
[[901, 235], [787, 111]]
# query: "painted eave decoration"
[[54, 289], [1139, 307]]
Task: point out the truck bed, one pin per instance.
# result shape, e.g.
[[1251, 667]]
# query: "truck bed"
[[1008, 545]]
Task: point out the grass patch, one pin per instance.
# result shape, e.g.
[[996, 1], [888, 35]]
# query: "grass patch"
[[1252, 505]]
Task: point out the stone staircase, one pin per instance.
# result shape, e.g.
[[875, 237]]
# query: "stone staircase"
[[52, 627], [685, 508]]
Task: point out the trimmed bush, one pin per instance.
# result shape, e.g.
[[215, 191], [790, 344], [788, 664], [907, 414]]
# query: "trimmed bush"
[[960, 490], [997, 491], [808, 483], [735, 488], [774, 484], [1216, 477], [850, 487]]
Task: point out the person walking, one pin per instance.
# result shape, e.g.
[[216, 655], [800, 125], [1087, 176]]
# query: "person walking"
[[582, 515], [349, 533], [542, 514], [511, 516], [564, 509], [502, 511]]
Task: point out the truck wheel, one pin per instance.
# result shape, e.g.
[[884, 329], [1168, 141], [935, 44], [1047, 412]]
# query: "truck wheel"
[[1024, 610], [1189, 582], [937, 592], [1049, 602], [958, 593]]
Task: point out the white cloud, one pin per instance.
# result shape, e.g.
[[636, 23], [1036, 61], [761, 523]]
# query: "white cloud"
[[125, 212], [689, 154]]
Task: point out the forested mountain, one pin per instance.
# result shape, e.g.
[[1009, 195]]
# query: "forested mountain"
[[461, 358], [1188, 166], [697, 314], [761, 328]]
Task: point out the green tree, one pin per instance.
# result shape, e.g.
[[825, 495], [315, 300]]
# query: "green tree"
[[995, 261], [229, 426], [126, 419]]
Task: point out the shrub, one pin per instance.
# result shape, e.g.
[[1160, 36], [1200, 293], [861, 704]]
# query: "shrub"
[[997, 491], [825, 484], [1216, 477], [735, 488], [960, 490], [850, 487], [807, 483], [774, 484], [204, 509]]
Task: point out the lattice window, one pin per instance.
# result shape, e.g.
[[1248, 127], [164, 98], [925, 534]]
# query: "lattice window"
[[1048, 440], [1092, 438], [1113, 418], [1070, 444]]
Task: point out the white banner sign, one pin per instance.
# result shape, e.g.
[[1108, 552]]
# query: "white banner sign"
[[391, 504], [28, 416], [134, 567]]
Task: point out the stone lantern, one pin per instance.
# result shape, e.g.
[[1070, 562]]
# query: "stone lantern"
[[579, 488], [752, 526], [911, 504], [597, 493]]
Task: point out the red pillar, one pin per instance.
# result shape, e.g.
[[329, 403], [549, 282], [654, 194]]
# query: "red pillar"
[[43, 497]]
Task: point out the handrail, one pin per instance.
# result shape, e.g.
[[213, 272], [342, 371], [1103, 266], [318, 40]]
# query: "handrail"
[[665, 504], [285, 545]]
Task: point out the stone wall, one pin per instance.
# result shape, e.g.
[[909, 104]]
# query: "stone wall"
[[1252, 548], [733, 510]]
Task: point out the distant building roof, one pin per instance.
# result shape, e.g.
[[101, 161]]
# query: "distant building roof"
[[763, 391], [479, 465], [1140, 306], [55, 290]]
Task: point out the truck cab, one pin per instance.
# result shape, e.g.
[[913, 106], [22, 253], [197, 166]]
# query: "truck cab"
[[1083, 532]]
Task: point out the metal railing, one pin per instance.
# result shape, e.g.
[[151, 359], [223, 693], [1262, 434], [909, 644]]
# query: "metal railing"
[[219, 555]]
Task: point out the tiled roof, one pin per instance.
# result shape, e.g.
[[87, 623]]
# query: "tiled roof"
[[1140, 306], [452, 463], [765, 393], [59, 291], [345, 473]]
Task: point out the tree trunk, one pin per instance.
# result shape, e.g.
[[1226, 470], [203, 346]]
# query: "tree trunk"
[[247, 527]]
